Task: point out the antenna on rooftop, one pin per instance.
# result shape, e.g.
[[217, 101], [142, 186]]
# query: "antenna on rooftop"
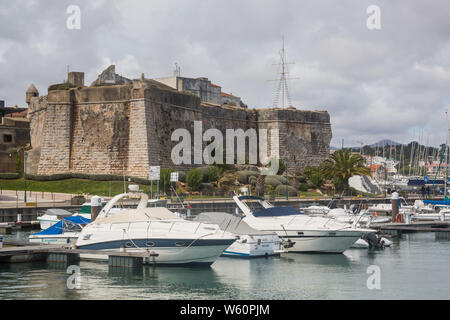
[[282, 88], [68, 69], [177, 71]]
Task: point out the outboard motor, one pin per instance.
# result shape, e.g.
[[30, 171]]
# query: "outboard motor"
[[287, 244], [373, 240]]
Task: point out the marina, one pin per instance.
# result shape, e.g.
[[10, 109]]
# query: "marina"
[[224, 151], [406, 273]]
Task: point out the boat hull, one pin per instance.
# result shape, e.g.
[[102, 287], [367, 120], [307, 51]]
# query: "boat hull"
[[432, 217], [322, 243], [252, 250], [57, 239], [200, 252]]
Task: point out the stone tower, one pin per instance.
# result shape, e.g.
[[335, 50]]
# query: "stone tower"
[[31, 92], [76, 78]]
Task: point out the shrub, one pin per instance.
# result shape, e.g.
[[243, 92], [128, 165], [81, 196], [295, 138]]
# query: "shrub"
[[243, 176], [54, 177], [282, 179], [281, 190], [105, 177], [214, 174], [227, 182], [269, 189], [272, 181], [9, 176], [194, 178], [206, 187], [18, 162], [93, 177], [164, 183], [204, 172], [303, 187], [144, 182], [182, 176], [80, 176]]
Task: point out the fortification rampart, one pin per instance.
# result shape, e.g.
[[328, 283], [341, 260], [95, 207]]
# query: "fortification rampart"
[[127, 128]]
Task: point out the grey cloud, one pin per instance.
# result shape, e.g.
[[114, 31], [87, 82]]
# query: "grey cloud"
[[375, 84]]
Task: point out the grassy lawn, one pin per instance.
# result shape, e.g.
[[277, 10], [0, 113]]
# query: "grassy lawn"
[[104, 188], [71, 186]]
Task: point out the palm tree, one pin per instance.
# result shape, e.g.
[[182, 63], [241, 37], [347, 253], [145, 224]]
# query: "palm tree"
[[343, 165]]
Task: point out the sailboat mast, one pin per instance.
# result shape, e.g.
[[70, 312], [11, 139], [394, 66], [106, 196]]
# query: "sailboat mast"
[[446, 157]]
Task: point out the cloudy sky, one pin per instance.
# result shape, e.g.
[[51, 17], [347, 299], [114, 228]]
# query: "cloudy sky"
[[390, 83]]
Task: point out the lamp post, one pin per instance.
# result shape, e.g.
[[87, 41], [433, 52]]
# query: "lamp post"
[[159, 164], [385, 178], [25, 156], [287, 180]]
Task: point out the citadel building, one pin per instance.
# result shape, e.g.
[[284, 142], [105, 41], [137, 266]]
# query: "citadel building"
[[117, 125]]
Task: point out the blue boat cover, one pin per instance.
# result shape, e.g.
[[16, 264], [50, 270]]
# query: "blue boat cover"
[[437, 202], [277, 211], [417, 182], [64, 225]]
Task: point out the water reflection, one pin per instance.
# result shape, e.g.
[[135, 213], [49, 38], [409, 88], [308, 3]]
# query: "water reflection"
[[314, 259], [414, 268]]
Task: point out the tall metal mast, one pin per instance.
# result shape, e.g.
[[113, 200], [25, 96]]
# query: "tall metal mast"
[[282, 88], [446, 157]]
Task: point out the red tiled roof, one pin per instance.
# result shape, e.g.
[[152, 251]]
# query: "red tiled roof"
[[22, 114], [225, 94], [374, 167], [215, 85]]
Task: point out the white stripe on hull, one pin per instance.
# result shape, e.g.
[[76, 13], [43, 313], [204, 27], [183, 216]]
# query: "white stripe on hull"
[[322, 244], [201, 254]]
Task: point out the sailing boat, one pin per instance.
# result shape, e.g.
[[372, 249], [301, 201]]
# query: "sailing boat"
[[439, 204]]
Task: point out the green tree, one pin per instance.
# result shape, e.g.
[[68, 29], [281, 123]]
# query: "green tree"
[[343, 165], [165, 179], [314, 177], [18, 160], [194, 179]]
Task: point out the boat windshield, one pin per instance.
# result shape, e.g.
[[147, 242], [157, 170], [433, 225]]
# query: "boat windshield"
[[277, 212]]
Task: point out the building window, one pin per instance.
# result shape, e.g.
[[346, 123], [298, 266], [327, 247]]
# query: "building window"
[[7, 138]]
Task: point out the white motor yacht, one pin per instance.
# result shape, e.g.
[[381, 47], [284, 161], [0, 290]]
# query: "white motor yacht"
[[316, 210], [250, 243], [52, 216], [363, 218], [308, 233], [168, 239]]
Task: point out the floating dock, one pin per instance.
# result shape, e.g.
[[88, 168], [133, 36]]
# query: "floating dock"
[[441, 229], [28, 252], [8, 227]]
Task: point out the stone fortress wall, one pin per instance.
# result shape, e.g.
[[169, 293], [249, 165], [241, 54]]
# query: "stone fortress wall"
[[118, 126]]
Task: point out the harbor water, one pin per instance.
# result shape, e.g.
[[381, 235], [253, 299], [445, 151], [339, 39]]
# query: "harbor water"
[[415, 267]]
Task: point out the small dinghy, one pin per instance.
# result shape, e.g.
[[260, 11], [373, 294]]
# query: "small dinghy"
[[372, 240], [65, 231]]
